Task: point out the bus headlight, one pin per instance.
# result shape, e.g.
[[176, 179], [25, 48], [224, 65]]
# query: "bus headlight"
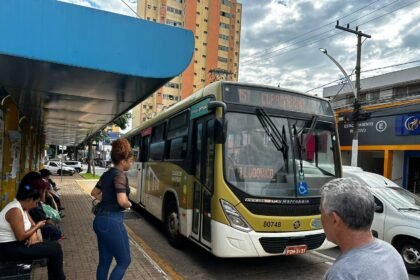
[[235, 219]]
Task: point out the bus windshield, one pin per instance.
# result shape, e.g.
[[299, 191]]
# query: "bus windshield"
[[256, 165]]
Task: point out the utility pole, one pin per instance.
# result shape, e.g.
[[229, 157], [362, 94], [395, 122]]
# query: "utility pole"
[[357, 116]]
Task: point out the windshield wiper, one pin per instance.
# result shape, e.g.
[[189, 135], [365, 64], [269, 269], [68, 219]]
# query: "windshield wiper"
[[278, 139], [301, 145]]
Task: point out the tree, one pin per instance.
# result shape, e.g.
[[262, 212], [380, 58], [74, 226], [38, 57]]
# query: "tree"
[[100, 136]]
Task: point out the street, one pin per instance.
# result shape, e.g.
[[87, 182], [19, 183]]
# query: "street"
[[193, 262], [98, 169]]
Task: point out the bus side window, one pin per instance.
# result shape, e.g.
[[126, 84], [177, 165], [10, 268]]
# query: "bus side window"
[[177, 137], [136, 147], [157, 146], [145, 148]]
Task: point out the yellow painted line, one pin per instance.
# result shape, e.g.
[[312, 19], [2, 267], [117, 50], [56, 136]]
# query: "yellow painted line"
[[165, 266]]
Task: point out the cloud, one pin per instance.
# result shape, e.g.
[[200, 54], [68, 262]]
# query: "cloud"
[[279, 44], [280, 39]]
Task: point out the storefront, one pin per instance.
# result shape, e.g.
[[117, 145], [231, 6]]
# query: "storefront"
[[389, 138]]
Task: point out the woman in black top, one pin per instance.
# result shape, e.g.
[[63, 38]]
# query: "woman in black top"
[[112, 190]]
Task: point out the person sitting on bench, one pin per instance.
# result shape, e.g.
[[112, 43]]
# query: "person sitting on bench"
[[19, 238]]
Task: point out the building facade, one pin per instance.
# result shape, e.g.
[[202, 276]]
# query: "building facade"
[[216, 25], [389, 137]]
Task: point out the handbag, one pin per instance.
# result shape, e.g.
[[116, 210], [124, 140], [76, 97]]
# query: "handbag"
[[96, 204], [51, 213]]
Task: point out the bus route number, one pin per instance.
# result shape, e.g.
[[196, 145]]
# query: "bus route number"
[[272, 224]]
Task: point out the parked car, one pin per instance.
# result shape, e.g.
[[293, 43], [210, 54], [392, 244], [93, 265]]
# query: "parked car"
[[397, 215], [77, 165], [56, 168]]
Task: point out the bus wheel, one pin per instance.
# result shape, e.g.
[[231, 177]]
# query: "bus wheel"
[[172, 225]]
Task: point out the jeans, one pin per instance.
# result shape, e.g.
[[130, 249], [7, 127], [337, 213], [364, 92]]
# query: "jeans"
[[18, 251], [112, 243]]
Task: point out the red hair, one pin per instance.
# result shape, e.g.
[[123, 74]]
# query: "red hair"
[[121, 150]]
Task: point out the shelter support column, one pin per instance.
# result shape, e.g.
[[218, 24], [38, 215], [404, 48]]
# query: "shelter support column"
[[388, 155], [24, 156], [11, 153]]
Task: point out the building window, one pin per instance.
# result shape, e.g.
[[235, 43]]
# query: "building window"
[[173, 22], [222, 59], [224, 25], [226, 2], [172, 85], [224, 14], [174, 10], [223, 37], [223, 48]]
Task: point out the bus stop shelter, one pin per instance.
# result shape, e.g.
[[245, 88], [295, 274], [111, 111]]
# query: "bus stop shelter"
[[66, 71]]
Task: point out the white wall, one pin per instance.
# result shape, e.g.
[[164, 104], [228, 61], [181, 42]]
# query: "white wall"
[[398, 167]]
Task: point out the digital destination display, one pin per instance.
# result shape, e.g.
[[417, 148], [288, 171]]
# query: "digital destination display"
[[276, 99]]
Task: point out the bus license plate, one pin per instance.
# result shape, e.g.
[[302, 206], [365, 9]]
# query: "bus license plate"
[[295, 250]]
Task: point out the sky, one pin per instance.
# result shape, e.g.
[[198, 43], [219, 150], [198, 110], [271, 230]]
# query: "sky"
[[280, 39]]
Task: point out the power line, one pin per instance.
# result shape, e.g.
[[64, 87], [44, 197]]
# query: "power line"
[[263, 52], [253, 60], [130, 8], [399, 8], [369, 70]]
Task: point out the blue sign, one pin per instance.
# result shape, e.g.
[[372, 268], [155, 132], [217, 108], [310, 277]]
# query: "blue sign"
[[407, 124], [302, 188]]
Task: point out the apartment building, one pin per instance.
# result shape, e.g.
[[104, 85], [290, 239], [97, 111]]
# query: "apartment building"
[[389, 136], [216, 25]]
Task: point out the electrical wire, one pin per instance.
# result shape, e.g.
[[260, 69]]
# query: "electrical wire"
[[130, 8], [263, 52], [369, 70], [255, 60]]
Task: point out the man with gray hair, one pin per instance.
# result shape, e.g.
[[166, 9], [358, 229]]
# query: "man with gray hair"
[[347, 209]]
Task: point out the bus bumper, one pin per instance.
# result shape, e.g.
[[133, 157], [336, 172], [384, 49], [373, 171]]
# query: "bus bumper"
[[231, 243]]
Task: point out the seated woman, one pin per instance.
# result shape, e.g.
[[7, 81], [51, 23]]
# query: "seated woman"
[[52, 196], [50, 231], [18, 233]]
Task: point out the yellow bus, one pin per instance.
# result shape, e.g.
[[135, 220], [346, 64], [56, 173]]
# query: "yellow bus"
[[237, 169]]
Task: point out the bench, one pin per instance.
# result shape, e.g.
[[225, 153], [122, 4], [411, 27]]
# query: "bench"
[[19, 270]]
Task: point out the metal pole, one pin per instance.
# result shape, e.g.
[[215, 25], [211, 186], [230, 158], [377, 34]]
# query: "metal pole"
[[61, 164]]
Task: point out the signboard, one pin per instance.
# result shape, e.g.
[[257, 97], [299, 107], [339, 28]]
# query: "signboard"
[[407, 124], [199, 109], [276, 99], [386, 130]]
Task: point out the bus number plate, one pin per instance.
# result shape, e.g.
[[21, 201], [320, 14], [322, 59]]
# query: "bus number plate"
[[295, 250]]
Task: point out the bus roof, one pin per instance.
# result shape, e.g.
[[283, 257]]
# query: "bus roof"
[[211, 89]]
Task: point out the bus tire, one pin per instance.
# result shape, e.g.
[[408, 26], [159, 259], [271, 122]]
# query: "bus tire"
[[172, 224]]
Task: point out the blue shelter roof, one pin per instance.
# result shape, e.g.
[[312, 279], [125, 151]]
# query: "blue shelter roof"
[[73, 69]]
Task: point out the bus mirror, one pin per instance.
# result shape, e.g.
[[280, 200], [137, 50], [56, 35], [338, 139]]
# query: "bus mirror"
[[214, 104], [220, 130]]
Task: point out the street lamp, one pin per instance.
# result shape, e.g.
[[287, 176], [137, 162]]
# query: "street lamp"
[[355, 142]]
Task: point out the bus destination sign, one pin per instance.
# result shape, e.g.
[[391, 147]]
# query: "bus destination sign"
[[276, 99]]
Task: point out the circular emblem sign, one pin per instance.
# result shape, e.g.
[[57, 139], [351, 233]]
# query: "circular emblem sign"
[[381, 126], [296, 224]]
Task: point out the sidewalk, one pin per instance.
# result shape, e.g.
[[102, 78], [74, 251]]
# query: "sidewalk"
[[80, 246]]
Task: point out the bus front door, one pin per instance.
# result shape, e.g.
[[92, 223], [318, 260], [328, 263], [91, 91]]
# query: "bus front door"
[[203, 152]]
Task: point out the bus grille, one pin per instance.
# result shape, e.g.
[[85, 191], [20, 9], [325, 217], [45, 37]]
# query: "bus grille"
[[282, 210], [275, 245]]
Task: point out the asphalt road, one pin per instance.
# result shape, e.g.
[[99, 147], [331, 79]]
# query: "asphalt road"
[[193, 262]]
